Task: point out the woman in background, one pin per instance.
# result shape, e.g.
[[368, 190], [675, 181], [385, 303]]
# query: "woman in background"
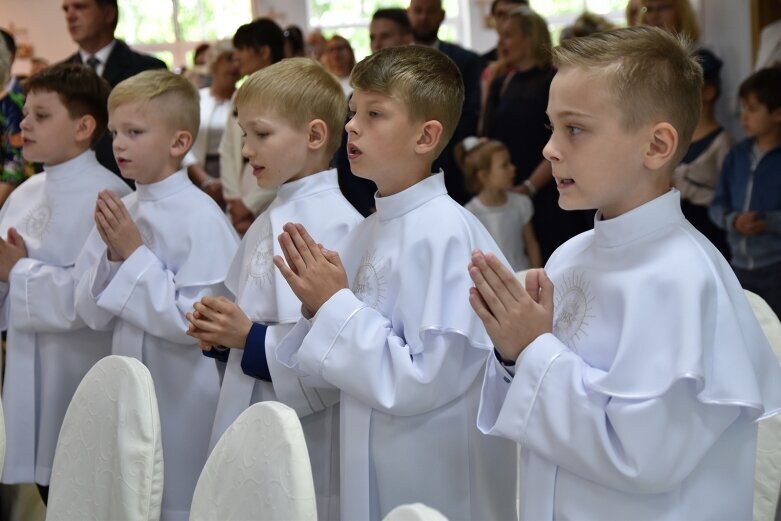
[[203, 160], [339, 60]]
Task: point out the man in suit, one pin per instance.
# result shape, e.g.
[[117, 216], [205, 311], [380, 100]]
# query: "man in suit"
[[91, 24], [425, 17]]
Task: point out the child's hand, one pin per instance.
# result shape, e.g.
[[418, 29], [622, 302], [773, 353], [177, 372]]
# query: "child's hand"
[[314, 273], [749, 223], [218, 321], [513, 316], [11, 251], [116, 226]]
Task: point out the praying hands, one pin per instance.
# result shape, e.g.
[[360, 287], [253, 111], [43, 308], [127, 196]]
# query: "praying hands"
[[314, 273], [11, 250], [513, 315], [116, 226]]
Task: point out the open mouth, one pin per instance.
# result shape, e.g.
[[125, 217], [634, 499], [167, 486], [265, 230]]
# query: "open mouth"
[[353, 152], [257, 170], [27, 142], [122, 162], [564, 182]]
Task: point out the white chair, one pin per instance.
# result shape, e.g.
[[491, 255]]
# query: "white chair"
[[109, 458], [767, 478], [414, 512], [258, 470]]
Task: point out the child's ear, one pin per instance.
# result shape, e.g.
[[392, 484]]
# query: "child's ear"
[[181, 143], [85, 127], [429, 137], [317, 134], [662, 144]]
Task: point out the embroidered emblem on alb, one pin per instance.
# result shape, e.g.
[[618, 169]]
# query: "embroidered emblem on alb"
[[572, 309], [38, 221], [368, 285], [261, 263]]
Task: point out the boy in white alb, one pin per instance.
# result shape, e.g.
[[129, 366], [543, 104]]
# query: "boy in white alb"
[[634, 387], [291, 113], [46, 222], [390, 329], [152, 256]]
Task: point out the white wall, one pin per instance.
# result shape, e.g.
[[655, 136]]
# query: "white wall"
[[726, 29]]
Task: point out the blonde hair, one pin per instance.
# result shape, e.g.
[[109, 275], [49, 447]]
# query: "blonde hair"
[[686, 21], [299, 90], [477, 159], [653, 74], [426, 81], [174, 97], [535, 29]]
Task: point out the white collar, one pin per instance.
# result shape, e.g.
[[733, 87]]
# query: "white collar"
[[309, 185], [101, 55], [648, 218], [170, 185], [396, 205]]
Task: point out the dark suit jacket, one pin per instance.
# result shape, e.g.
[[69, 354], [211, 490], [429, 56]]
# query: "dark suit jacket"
[[122, 63], [471, 67]]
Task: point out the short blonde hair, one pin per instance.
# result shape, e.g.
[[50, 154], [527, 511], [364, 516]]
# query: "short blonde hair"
[[535, 29], [426, 81], [686, 20], [174, 97], [654, 75], [299, 90], [477, 159]]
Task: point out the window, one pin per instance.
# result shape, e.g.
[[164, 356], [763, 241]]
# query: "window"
[[171, 29], [560, 13], [350, 19]]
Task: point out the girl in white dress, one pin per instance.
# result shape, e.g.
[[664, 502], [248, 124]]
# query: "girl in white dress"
[[505, 214]]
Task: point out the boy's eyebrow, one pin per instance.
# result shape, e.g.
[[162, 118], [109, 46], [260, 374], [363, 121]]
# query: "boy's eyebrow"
[[570, 113]]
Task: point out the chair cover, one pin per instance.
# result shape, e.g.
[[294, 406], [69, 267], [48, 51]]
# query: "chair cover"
[[767, 478], [414, 512], [109, 458], [258, 470]]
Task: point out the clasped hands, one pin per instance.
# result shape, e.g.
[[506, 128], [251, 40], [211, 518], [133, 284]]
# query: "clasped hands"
[[513, 315], [116, 226], [12, 249], [313, 272]]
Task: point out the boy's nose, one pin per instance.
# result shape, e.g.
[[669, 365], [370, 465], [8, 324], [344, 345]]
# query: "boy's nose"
[[549, 152], [351, 127]]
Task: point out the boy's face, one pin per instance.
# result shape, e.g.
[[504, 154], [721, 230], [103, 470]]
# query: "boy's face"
[[381, 136], [48, 131], [597, 162], [277, 151], [142, 142], [756, 119]]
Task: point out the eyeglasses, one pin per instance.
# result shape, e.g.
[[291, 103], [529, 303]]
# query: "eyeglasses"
[[656, 8]]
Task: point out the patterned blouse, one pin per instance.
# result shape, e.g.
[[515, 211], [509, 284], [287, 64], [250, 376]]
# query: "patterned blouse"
[[13, 168]]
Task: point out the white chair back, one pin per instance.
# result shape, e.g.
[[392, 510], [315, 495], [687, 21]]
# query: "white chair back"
[[767, 477], [414, 512], [258, 470], [109, 458]]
